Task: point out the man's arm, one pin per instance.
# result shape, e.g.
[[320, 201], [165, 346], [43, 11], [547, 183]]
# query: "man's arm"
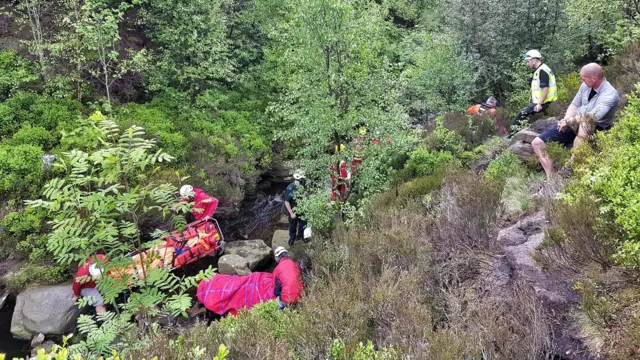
[[545, 92], [287, 205]]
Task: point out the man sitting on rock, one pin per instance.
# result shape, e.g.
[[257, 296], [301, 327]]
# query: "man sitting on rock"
[[84, 283], [592, 109]]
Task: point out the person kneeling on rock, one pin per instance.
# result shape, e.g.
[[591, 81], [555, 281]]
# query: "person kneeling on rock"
[[288, 280], [84, 283]]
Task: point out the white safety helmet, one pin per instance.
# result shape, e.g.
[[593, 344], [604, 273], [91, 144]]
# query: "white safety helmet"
[[532, 54], [95, 271], [186, 190], [279, 251], [298, 174]]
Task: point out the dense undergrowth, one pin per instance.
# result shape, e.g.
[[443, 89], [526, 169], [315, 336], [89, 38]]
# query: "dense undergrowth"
[[229, 89]]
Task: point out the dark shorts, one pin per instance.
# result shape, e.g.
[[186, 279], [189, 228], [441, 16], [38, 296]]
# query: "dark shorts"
[[565, 137]]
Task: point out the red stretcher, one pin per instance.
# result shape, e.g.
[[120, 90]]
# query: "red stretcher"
[[200, 238]]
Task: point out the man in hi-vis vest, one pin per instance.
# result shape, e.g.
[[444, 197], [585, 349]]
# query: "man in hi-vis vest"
[[543, 87]]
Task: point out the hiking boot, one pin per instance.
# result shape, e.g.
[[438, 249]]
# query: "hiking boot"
[[291, 241]]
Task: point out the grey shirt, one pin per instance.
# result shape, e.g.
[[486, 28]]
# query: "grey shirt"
[[602, 106]]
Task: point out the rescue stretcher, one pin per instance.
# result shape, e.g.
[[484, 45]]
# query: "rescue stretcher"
[[201, 238]]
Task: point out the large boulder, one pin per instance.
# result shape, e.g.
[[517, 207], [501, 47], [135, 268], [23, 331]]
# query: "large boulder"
[[232, 264], [526, 135], [541, 125], [522, 150], [256, 252], [280, 238], [46, 309]]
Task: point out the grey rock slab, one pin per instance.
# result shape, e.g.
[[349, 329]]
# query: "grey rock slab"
[[522, 149], [44, 309], [232, 264], [519, 232], [526, 135], [256, 252]]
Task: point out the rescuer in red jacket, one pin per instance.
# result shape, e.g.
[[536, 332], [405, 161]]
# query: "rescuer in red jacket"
[[287, 278], [204, 205], [84, 283]]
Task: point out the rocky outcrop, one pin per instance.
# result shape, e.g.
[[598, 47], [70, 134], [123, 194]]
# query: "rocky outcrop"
[[522, 230], [522, 147], [517, 265], [255, 252], [231, 264], [46, 309]]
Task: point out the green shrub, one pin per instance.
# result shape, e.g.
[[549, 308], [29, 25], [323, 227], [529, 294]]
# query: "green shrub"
[[37, 111], [21, 171], [421, 186], [32, 273], [22, 234], [443, 139], [36, 136], [423, 162], [504, 166], [612, 176], [14, 72]]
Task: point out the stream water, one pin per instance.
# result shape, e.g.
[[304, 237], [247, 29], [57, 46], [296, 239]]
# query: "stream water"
[[8, 345]]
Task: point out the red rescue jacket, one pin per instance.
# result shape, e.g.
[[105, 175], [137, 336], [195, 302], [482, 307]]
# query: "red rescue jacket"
[[204, 205], [83, 280], [287, 281]]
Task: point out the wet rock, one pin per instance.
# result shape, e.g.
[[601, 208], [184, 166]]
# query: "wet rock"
[[283, 220], [526, 135], [541, 125], [233, 265], [37, 340], [522, 149], [46, 309], [280, 238], [520, 232], [47, 346], [3, 297], [256, 252]]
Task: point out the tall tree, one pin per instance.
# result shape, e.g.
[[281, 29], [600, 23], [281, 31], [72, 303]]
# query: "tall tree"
[[193, 53], [333, 60]]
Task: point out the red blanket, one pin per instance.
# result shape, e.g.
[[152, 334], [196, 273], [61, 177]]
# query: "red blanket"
[[230, 293]]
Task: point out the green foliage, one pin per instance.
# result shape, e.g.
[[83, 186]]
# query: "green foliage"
[[438, 77], [36, 110], [35, 273], [22, 234], [443, 139], [96, 208], [21, 171], [318, 211], [14, 73], [362, 352], [36, 136], [194, 52], [424, 162], [612, 177], [332, 60], [504, 166]]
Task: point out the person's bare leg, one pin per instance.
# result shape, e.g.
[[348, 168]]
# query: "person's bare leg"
[[539, 147], [101, 309]]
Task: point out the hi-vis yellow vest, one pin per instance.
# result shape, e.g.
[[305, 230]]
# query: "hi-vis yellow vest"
[[536, 90]]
